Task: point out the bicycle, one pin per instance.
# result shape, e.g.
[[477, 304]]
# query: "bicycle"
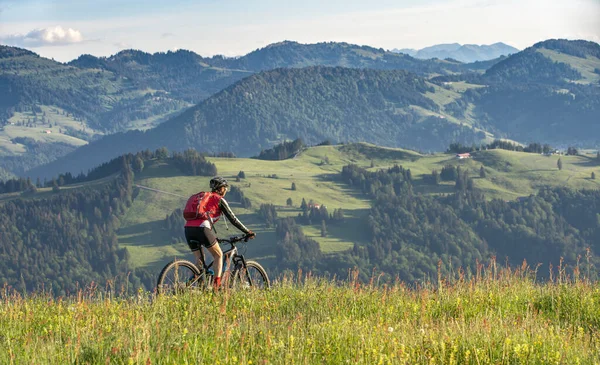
[[180, 276]]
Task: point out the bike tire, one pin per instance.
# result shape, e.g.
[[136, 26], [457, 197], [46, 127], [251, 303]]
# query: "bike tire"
[[253, 276], [179, 276]]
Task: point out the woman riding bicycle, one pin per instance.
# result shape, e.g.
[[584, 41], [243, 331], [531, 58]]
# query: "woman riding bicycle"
[[200, 230]]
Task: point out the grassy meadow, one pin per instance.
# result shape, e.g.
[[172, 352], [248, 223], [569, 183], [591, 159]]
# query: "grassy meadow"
[[509, 175], [54, 116], [497, 316]]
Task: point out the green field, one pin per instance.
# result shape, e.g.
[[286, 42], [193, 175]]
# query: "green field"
[[55, 121], [509, 175], [499, 316]]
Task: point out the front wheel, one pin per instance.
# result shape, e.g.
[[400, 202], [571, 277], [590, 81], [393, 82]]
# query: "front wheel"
[[253, 276], [179, 276]]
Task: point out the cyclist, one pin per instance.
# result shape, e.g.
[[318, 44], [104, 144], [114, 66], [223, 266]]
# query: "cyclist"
[[200, 229]]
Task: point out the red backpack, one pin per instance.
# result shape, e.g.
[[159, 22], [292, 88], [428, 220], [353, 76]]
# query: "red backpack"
[[202, 206]]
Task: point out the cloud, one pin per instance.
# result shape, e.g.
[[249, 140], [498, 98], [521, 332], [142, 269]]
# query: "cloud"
[[122, 45], [53, 36]]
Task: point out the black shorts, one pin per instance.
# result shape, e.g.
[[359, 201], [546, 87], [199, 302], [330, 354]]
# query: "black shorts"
[[205, 236]]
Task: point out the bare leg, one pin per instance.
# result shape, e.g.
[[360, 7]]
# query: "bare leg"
[[217, 254], [199, 262]]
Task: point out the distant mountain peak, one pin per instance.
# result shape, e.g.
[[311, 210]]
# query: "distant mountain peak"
[[464, 53]]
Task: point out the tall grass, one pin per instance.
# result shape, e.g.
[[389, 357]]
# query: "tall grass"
[[496, 316]]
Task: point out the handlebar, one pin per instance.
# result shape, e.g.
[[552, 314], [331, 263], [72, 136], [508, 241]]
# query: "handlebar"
[[234, 239]]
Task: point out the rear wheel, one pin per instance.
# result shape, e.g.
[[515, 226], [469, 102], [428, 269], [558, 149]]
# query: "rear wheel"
[[179, 276], [253, 276]]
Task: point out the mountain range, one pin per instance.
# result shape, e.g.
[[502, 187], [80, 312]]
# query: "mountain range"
[[353, 93], [463, 53]]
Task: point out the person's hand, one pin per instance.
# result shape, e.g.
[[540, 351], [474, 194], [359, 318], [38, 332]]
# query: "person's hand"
[[251, 235]]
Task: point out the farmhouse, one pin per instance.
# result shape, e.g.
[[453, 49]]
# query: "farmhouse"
[[460, 156]]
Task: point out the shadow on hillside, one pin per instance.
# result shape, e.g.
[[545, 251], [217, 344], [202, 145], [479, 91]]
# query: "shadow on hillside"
[[587, 162], [137, 228], [147, 234], [343, 186], [544, 170], [335, 177]]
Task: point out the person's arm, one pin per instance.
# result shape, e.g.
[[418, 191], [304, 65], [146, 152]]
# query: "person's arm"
[[226, 210]]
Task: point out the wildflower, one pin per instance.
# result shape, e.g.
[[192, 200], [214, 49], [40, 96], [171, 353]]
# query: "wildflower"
[[390, 329]]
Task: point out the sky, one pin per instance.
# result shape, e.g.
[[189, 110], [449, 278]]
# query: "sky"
[[65, 29]]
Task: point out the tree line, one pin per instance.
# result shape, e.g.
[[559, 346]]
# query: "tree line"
[[410, 232], [65, 242]]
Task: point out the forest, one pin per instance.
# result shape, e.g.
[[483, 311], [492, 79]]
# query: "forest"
[[67, 242], [411, 234]]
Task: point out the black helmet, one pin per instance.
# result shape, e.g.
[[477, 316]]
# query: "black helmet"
[[217, 182]]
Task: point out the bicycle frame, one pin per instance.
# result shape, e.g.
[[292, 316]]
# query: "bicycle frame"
[[231, 254]]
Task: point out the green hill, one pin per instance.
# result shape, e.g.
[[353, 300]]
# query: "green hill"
[[552, 90], [538, 64], [336, 54], [509, 175], [184, 75], [390, 108], [83, 100]]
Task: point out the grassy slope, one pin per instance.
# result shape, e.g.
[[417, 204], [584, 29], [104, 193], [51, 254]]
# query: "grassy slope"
[[585, 66], [496, 318], [54, 115], [509, 175]]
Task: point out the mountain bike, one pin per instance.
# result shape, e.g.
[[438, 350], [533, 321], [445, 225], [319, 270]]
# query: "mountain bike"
[[180, 276]]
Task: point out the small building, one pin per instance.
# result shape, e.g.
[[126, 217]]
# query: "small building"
[[461, 156], [47, 131]]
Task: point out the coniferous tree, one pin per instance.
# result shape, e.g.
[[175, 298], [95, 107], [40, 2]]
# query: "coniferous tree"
[[162, 153], [303, 205], [559, 164], [289, 202], [593, 175], [293, 186], [435, 177], [482, 172], [138, 164], [241, 175], [323, 229]]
